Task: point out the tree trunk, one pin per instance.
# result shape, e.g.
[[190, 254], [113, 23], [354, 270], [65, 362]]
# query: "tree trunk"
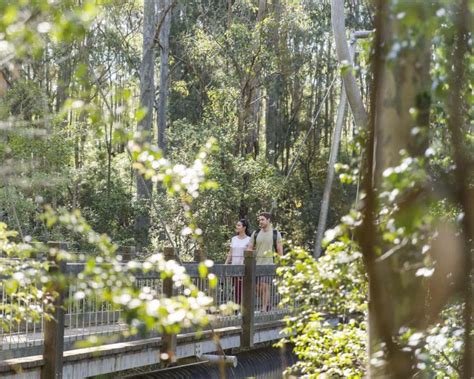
[[327, 117], [147, 95], [64, 79], [316, 104], [330, 174], [249, 116], [458, 124], [253, 101], [275, 90], [343, 54], [80, 137], [164, 73], [273, 117], [398, 87], [405, 85]]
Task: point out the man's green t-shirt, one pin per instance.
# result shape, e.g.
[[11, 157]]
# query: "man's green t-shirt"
[[264, 246]]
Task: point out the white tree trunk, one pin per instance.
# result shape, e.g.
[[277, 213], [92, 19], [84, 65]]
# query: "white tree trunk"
[[323, 214], [343, 55]]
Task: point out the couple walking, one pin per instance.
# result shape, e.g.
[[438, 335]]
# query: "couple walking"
[[265, 241]]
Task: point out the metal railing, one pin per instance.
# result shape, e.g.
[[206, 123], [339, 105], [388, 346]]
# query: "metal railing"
[[90, 316], [16, 333]]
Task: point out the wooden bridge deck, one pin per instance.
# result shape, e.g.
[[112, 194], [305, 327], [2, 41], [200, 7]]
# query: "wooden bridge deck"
[[82, 363]]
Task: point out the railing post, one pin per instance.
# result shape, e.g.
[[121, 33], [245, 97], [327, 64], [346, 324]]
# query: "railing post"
[[199, 255], [128, 253], [168, 340], [54, 328], [248, 299]]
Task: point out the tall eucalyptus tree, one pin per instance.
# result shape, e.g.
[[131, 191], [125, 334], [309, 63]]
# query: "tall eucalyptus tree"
[[145, 125]]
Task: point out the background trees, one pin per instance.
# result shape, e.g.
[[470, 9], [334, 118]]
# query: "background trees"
[[252, 75]]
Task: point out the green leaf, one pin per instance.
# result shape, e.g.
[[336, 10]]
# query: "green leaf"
[[202, 269], [212, 280], [140, 114]]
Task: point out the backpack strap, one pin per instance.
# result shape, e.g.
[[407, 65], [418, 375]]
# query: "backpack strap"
[[255, 238], [275, 237]]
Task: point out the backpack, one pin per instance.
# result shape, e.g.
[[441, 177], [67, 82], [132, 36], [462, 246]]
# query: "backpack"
[[275, 237]]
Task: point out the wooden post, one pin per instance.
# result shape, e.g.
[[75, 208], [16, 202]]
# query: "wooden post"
[[54, 328], [128, 253], [248, 299], [198, 255], [168, 345]]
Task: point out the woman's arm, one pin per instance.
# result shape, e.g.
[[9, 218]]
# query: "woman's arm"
[[250, 244], [229, 257]]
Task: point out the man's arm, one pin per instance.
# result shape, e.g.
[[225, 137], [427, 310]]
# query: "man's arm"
[[279, 244], [279, 248]]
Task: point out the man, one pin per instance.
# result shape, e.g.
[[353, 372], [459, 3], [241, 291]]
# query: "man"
[[265, 241]]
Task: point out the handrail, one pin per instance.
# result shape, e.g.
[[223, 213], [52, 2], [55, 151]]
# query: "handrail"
[[192, 269]]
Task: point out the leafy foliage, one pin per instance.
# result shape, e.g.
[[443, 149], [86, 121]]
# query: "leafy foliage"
[[330, 298], [104, 276]]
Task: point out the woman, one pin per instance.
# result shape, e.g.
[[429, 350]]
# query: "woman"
[[238, 245]]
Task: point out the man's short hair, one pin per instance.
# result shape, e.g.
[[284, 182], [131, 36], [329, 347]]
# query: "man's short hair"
[[267, 215]]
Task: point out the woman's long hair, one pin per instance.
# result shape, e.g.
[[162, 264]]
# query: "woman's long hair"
[[245, 223]]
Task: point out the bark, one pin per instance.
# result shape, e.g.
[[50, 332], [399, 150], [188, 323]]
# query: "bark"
[[378, 314], [80, 137], [398, 87], [458, 119], [249, 120], [315, 106], [253, 101], [275, 88], [343, 55], [330, 174], [64, 79], [147, 95], [405, 85], [108, 137], [273, 117], [327, 117], [164, 73]]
